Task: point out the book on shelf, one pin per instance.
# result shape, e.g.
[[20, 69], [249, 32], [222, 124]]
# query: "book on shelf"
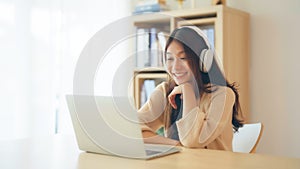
[[150, 6], [149, 47], [154, 51], [162, 40], [146, 91], [209, 31], [149, 2], [142, 48]]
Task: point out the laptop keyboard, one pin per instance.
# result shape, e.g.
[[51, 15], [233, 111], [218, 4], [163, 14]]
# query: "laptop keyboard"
[[152, 152]]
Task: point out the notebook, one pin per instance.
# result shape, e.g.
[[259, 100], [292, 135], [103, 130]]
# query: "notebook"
[[109, 125]]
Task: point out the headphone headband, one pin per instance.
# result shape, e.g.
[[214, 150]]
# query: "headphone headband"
[[200, 33], [206, 55]]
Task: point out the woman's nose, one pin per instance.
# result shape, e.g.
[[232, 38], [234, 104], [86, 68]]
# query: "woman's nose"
[[177, 64]]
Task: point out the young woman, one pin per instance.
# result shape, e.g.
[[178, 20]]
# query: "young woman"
[[197, 107]]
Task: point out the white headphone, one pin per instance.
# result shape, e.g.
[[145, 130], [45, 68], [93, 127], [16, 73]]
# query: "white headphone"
[[206, 55]]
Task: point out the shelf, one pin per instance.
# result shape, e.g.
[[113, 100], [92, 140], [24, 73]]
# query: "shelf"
[[230, 40], [157, 76]]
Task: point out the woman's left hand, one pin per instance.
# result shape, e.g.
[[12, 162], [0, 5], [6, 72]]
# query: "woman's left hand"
[[171, 97]]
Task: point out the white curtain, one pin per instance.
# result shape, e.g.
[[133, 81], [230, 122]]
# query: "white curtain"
[[41, 41]]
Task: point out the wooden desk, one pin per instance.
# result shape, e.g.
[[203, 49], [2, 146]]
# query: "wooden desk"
[[62, 153]]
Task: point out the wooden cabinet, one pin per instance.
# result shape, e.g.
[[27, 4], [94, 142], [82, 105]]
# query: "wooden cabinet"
[[228, 29]]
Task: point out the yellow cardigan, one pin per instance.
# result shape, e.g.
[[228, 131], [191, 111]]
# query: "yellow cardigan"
[[206, 126]]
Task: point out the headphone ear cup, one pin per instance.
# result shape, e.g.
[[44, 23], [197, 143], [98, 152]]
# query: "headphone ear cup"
[[206, 59]]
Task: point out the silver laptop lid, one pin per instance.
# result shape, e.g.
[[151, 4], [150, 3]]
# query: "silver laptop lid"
[[106, 125]]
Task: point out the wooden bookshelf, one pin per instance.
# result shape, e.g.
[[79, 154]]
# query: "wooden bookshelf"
[[231, 42]]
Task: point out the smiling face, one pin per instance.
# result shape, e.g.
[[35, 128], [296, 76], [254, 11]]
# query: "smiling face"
[[177, 63]]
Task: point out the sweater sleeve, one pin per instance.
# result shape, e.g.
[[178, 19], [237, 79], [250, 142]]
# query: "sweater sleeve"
[[151, 113], [200, 127]]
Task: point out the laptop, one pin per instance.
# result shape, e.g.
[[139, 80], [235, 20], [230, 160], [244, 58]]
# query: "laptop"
[[109, 125]]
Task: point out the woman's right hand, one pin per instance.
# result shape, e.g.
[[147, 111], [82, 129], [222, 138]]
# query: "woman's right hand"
[[177, 90]]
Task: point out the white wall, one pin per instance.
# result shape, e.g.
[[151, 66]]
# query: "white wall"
[[41, 41], [27, 59], [81, 21], [275, 39]]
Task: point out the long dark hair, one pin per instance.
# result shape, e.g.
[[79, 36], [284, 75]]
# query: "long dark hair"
[[204, 80]]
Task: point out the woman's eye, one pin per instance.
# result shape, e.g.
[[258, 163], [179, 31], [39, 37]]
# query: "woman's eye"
[[170, 58]]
